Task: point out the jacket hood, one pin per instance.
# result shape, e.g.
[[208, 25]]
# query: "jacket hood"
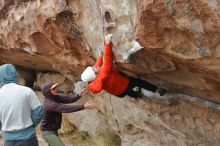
[[45, 89], [7, 74]]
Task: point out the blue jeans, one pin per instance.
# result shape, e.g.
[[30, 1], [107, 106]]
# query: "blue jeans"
[[30, 142]]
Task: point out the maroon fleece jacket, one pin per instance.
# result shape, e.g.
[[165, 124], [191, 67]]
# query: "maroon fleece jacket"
[[54, 106]]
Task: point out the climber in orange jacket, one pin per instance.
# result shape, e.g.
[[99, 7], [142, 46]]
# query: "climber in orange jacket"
[[103, 76]]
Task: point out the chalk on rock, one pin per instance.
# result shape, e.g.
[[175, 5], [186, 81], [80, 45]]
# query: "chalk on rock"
[[134, 47]]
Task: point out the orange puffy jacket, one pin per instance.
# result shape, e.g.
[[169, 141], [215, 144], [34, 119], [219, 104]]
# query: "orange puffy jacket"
[[108, 78]]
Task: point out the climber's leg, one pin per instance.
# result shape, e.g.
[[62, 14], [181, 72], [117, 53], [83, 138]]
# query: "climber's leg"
[[134, 82], [130, 91], [135, 94]]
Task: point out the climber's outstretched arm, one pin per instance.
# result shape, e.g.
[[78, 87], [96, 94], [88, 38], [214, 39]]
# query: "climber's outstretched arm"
[[96, 85], [99, 61], [107, 65]]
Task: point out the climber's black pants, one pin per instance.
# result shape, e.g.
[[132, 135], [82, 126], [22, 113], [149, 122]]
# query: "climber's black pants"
[[133, 82]]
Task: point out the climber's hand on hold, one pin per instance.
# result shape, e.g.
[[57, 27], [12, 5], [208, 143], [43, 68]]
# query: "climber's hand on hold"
[[108, 38]]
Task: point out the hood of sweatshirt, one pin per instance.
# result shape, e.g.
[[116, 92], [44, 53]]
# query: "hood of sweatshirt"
[[7, 74]]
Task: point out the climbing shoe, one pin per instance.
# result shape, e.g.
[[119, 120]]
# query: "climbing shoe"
[[137, 92], [161, 91]]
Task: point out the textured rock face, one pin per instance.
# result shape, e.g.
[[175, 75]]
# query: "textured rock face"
[[173, 43], [187, 33], [144, 123], [179, 39]]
